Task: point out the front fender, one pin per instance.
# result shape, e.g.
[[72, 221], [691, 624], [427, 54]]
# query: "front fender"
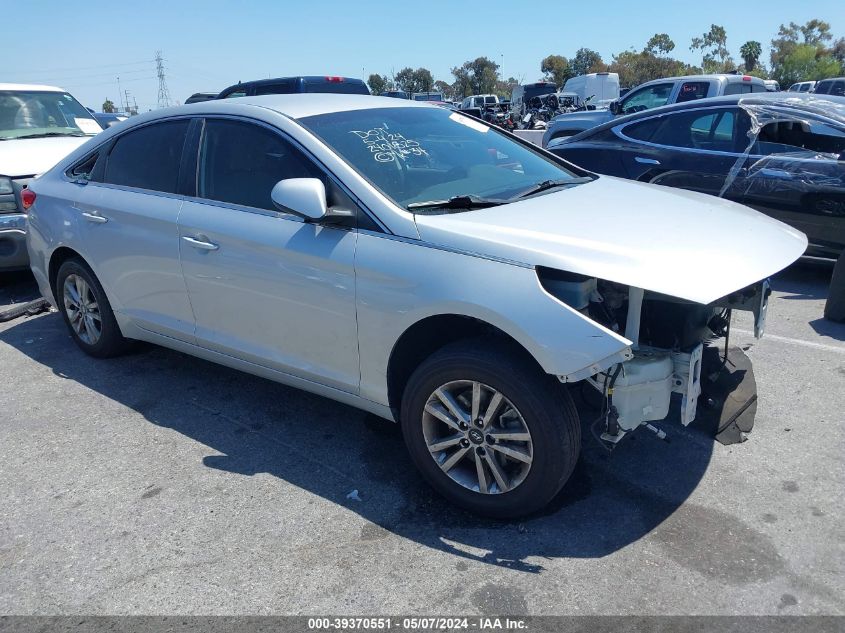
[[423, 281]]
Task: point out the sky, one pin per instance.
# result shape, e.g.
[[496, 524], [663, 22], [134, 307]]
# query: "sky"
[[210, 44]]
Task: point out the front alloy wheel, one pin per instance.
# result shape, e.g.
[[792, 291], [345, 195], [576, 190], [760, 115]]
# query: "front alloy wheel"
[[477, 437], [488, 429]]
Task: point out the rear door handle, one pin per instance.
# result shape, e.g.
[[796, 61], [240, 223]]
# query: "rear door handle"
[[95, 218], [200, 244], [646, 161]]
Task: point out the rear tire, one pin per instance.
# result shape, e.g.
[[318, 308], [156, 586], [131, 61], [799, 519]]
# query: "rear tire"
[[535, 429], [87, 311]]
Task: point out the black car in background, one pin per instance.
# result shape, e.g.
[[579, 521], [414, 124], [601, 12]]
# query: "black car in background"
[[199, 97], [835, 87], [290, 85], [780, 153]]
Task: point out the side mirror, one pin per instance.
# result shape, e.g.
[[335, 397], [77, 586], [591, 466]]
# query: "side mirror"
[[616, 107], [305, 197]]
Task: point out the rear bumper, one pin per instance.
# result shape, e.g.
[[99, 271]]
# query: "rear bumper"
[[13, 254]]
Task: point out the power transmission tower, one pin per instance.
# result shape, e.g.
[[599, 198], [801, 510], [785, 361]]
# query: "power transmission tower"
[[163, 93]]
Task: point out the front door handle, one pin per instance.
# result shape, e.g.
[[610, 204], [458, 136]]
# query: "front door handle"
[[96, 219], [200, 244], [646, 161]]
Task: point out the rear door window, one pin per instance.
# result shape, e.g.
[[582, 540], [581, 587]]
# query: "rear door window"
[[240, 163], [149, 157], [692, 90], [714, 130]]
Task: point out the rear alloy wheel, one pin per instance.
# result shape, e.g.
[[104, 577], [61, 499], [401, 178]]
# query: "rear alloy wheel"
[[87, 312], [488, 429], [82, 310]]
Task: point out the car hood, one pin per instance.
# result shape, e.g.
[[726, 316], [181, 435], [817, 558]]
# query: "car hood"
[[679, 243], [582, 120], [32, 156]]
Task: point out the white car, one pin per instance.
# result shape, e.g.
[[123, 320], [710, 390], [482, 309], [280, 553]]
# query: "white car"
[[407, 260], [38, 126], [803, 86]]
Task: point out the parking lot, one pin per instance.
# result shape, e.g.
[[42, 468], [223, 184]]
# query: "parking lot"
[[160, 483]]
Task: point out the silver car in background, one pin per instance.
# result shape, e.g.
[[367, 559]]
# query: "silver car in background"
[[407, 260]]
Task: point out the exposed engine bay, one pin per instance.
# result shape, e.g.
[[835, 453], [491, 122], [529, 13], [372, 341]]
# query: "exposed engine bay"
[[675, 350]]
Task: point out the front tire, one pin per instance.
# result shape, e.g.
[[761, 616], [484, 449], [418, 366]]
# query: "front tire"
[[489, 430], [87, 312]]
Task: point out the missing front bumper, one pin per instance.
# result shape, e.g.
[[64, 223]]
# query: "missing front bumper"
[[728, 404]]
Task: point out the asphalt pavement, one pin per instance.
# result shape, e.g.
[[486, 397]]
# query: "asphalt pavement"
[[157, 483]]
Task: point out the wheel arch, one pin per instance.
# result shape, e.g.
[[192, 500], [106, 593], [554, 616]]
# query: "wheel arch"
[[430, 334], [57, 258]]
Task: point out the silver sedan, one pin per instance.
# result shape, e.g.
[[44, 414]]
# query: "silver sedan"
[[407, 260]]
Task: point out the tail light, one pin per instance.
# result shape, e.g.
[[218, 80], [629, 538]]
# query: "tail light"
[[334, 80], [746, 78], [27, 198]]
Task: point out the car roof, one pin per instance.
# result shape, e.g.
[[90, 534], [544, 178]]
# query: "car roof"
[[259, 82], [298, 105], [31, 87], [728, 76], [818, 104]]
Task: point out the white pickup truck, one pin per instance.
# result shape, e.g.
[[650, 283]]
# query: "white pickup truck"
[[39, 125]]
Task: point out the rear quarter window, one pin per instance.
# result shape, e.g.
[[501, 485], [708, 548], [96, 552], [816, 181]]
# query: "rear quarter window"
[[149, 157]]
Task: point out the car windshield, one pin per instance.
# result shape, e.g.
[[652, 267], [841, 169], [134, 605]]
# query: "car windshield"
[[416, 155], [25, 114]]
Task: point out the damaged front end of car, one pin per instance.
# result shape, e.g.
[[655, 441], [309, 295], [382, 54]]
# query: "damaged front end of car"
[[681, 366]]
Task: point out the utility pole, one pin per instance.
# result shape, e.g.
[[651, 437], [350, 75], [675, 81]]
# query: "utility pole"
[[128, 107], [120, 95], [163, 93]]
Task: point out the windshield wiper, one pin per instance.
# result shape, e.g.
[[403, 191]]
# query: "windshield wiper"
[[552, 184], [46, 134], [458, 202]]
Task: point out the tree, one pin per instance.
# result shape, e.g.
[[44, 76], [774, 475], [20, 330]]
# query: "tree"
[[424, 79], [377, 83], [816, 32], [505, 88], [411, 81], [444, 88], [750, 53], [586, 61], [556, 68], [838, 51], [475, 77], [805, 63], [800, 53], [108, 106], [635, 67], [715, 55], [660, 43]]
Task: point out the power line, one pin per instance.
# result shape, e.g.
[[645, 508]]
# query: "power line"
[[53, 70], [163, 92]]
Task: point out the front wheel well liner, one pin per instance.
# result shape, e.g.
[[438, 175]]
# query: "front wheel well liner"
[[430, 334]]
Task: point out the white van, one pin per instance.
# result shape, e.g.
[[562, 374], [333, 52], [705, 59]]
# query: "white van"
[[39, 125], [603, 87], [479, 101]]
